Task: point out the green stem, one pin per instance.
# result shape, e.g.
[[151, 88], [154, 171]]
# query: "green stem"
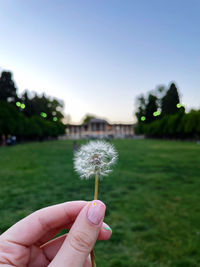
[[96, 186], [95, 198]]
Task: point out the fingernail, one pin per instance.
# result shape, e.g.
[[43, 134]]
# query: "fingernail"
[[107, 227], [96, 212]]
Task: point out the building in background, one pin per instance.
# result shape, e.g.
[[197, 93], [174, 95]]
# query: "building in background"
[[98, 128]]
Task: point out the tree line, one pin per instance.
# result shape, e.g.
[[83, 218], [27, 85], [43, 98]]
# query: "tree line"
[[161, 115], [28, 116]]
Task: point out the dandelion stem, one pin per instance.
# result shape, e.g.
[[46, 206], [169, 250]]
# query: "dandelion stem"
[[95, 198], [93, 258], [96, 186]]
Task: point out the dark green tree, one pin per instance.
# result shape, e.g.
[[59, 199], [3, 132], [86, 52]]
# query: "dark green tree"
[[87, 118], [159, 92], [8, 91], [28, 111], [31, 117], [170, 100], [141, 107], [52, 107], [150, 108]]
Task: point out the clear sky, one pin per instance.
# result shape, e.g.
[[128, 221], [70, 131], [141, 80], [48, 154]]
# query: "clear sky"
[[98, 55]]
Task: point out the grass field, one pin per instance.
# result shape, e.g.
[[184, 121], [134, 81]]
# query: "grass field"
[[152, 197]]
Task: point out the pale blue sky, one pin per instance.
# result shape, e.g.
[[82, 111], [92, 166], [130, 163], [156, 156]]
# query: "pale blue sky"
[[98, 55]]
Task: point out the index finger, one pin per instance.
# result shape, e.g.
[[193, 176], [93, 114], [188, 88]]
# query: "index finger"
[[30, 229]]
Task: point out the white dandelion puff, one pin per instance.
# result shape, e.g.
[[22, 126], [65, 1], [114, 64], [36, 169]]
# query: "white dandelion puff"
[[95, 158]]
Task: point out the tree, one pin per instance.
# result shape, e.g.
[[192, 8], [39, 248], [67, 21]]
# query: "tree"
[[9, 117], [36, 117], [170, 100], [159, 92], [141, 107], [87, 118], [192, 124], [28, 111], [8, 91], [36, 105], [150, 108]]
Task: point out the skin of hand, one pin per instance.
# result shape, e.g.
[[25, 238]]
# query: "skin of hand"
[[29, 242]]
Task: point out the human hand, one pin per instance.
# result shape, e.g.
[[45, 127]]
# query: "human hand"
[[29, 242]]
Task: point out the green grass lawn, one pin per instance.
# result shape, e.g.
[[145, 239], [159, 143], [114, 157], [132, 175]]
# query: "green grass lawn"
[[152, 197]]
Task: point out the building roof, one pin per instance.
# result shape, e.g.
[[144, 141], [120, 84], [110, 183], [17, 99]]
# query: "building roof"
[[95, 120]]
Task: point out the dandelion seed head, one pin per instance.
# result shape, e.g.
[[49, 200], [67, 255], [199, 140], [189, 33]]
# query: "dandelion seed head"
[[95, 157]]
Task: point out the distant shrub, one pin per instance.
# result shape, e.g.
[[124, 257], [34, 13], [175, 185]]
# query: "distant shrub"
[[180, 125], [14, 122]]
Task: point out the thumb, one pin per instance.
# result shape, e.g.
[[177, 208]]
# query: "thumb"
[[82, 236]]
